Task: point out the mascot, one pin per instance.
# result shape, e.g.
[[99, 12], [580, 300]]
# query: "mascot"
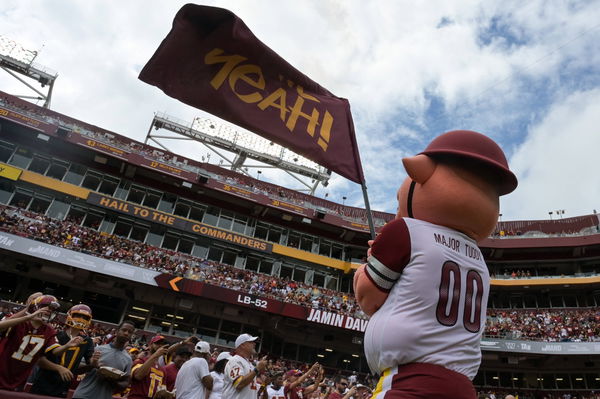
[[425, 285]]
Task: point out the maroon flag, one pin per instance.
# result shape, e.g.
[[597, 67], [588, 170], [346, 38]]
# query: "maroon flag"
[[212, 61]]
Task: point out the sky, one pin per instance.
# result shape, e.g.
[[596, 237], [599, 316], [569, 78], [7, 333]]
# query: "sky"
[[526, 74]]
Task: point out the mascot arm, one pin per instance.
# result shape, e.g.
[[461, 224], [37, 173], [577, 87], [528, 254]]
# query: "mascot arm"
[[389, 255]]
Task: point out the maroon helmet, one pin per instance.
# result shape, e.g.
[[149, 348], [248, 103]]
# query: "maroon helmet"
[[44, 301], [79, 316], [477, 147]]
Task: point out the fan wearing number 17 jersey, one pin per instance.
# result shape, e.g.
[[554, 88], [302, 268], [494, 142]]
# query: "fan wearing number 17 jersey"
[[23, 339], [425, 284]]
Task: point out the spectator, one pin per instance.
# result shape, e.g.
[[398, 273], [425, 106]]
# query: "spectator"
[[20, 333], [293, 386], [274, 390], [217, 375], [182, 355], [341, 385], [146, 376], [194, 380], [240, 374], [95, 384], [55, 373]]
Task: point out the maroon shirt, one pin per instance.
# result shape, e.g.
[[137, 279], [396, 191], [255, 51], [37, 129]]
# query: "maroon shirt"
[[170, 371], [147, 386], [20, 348]]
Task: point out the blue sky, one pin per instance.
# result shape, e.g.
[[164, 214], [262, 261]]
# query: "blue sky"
[[526, 74]]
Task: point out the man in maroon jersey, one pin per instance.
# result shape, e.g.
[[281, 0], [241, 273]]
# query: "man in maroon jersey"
[[182, 355], [146, 374], [25, 338]]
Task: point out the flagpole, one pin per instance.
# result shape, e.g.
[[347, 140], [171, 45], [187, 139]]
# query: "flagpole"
[[368, 209]]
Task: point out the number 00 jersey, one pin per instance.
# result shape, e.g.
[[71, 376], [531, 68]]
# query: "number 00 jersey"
[[438, 286]]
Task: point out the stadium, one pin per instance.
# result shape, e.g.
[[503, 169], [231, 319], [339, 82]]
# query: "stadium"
[[188, 248]]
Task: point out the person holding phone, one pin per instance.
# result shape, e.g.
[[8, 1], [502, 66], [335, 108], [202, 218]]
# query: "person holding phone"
[[146, 373]]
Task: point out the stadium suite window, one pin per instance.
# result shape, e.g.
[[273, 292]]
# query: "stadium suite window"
[[186, 244], [139, 232], [239, 224], [274, 235], [215, 254], [170, 241], [6, 190], [6, 151], [251, 264], [325, 248], [123, 227], [75, 174], [196, 213], [225, 220], [40, 203], [167, 203], [92, 180], [266, 267], [109, 185], [200, 249], [39, 164], [151, 199], [136, 194], [21, 158], [93, 220], [229, 258], [21, 198], [319, 280], [58, 169], [211, 216], [182, 209]]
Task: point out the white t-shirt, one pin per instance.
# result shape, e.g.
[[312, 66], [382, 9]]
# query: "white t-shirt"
[[435, 311], [189, 379], [217, 390], [275, 393], [236, 368]]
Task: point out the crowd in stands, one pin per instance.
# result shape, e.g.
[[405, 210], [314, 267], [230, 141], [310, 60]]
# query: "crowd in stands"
[[549, 325], [69, 233], [552, 325]]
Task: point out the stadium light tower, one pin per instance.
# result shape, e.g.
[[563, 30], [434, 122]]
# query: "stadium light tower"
[[241, 146], [17, 60]]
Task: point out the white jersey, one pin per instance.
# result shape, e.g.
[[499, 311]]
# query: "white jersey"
[[435, 311], [189, 379], [236, 368], [217, 390], [273, 393]]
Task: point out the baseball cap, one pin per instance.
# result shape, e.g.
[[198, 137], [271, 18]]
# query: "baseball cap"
[[157, 338], [134, 350], [202, 347], [223, 355], [358, 386], [295, 372], [242, 339]]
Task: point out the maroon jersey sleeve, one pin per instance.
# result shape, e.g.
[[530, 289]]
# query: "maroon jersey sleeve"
[[390, 253]]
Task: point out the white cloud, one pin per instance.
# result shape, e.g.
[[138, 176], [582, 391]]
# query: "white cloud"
[[557, 165]]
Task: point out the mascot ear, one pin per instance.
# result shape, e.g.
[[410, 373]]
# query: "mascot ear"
[[419, 168]]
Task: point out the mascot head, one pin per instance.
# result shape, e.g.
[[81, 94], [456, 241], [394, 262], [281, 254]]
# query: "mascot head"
[[456, 182]]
